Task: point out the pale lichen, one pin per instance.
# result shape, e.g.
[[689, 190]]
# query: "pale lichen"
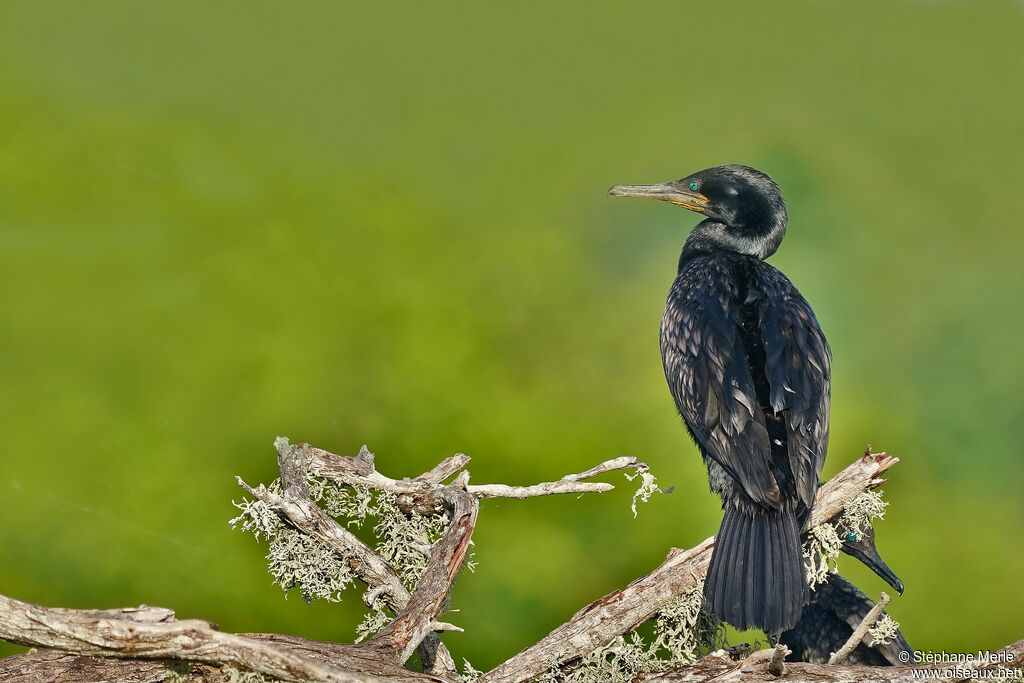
[[648, 486], [824, 542], [298, 561], [883, 631], [177, 671], [620, 661], [295, 560], [405, 539], [469, 672], [181, 671], [351, 503], [682, 633], [858, 513], [821, 553], [233, 675], [374, 620]]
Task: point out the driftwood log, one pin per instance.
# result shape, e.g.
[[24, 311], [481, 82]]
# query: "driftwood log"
[[149, 644]]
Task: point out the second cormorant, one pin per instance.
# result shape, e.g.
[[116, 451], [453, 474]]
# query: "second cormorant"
[[749, 369], [837, 607]]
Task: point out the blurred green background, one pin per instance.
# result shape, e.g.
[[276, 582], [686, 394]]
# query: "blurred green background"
[[222, 222]]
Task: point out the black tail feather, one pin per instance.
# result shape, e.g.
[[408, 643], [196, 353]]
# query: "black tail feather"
[[756, 577]]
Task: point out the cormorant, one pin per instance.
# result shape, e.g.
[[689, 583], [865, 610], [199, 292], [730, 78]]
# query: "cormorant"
[[862, 547], [837, 607], [749, 369]]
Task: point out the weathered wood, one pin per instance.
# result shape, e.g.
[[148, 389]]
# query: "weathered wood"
[[47, 666], [720, 667], [293, 462], [445, 468], [132, 644], [410, 627], [862, 630], [109, 634], [623, 610], [424, 494]]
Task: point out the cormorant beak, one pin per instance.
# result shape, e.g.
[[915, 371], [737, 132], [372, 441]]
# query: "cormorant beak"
[[868, 554], [674, 192]]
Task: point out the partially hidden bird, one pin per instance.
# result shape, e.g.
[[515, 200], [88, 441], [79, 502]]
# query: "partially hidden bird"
[[749, 369], [837, 608]]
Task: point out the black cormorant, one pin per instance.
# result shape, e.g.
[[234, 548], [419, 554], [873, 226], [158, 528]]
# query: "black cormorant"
[[837, 607], [749, 369], [862, 546]]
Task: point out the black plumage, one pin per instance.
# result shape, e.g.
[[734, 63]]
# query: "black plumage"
[[837, 607], [749, 369]]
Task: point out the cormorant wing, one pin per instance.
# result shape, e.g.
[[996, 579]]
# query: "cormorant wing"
[[836, 609], [707, 370], [798, 368]]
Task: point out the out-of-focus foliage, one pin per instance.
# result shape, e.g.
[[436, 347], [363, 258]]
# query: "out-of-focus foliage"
[[380, 223]]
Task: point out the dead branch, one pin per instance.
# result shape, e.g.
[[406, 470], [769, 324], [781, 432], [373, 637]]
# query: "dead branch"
[[424, 493], [722, 668], [45, 666], [151, 634], [570, 483], [403, 634], [776, 666], [113, 640], [135, 644], [623, 610], [445, 469], [370, 567], [862, 630]]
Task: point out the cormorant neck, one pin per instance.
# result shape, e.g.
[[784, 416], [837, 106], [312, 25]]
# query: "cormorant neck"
[[711, 235]]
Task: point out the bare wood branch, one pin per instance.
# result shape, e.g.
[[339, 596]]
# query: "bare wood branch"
[[863, 475], [410, 627], [776, 665], [355, 657], [153, 633], [423, 494], [862, 630], [623, 610], [367, 564], [721, 668], [624, 462], [45, 666], [306, 516], [445, 469], [413, 495], [86, 633], [546, 489], [570, 483]]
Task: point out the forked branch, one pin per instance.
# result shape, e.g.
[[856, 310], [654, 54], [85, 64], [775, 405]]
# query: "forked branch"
[[623, 610], [129, 644]]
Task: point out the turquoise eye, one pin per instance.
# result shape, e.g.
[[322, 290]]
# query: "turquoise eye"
[[851, 537], [694, 185]]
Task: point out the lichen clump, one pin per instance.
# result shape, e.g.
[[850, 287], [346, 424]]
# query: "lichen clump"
[[648, 486], [824, 542], [297, 561], [883, 631], [683, 633]]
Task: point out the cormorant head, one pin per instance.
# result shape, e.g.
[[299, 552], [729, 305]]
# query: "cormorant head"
[[745, 210], [862, 546]]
